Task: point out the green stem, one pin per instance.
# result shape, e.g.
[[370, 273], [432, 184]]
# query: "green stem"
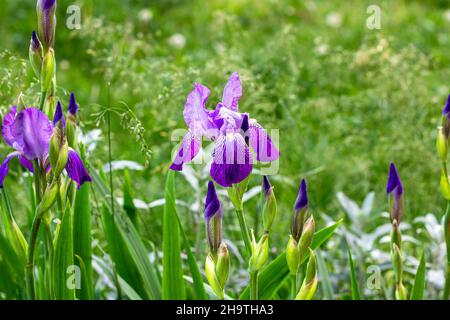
[[42, 100], [37, 183], [244, 232], [254, 285], [446, 226], [30, 261], [293, 286]]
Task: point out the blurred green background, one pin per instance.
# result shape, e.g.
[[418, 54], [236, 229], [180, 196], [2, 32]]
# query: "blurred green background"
[[347, 100]]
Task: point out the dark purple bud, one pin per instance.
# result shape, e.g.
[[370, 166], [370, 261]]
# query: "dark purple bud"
[[446, 111], [266, 185], [59, 116], [35, 44], [46, 21], [46, 4], [300, 207], [394, 187], [73, 105], [213, 218], [302, 198], [212, 203]]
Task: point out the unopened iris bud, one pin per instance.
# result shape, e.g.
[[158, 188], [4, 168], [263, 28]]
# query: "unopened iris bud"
[[260, 252], [48, 70], [59, 149], [223, 265], [292, 255], [72, 121], [300, 208], [36, 54], [48, 199], [46, 21], [270, 204], [445, 186], [396, 236], [217, 270], [213, 218], [309, 285], [394, 189], [446, 118], [306, 238], [442, 144]]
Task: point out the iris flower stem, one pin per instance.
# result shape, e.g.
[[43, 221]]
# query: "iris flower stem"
[[254, 285], [31, 251], [446, 293], [42, 100], [244, 232], [37, 183], [293, 286]]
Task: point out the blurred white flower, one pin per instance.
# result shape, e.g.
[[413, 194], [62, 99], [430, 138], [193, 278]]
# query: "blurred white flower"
[[145, 15], [177, 41], [334, 19], [447, 15], [322, 49], [436, 277]]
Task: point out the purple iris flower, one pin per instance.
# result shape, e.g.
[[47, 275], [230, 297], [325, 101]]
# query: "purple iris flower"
[[394, 187], [300, 207], [213, 218], [35, 44], [29, 133], [232, 133]]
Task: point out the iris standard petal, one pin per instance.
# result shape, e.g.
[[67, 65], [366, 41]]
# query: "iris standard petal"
[[195, 115], [260, 141], [75, 169], [232, 162], [190, 146], [232, 92], [4, 166], [8, 122], [32, 131]]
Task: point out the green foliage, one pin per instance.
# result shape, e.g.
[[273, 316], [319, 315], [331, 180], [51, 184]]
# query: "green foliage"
[[173, 282]]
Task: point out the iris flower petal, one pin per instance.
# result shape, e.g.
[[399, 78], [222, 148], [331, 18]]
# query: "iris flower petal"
[[4, 166], [190, 146], [195, 115], [260, 141], [75, 169], [32, 131], [232, 92], [26, 164], [8, 122], [232, 162]]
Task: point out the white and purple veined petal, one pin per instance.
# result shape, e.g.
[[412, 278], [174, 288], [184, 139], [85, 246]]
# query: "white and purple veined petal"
[[8, 122], [232, 92], [76, 170], [261, 143], [190, 146], [232, 161], [196, 116], [4, 166], [213, 218], [394, 188], [32, 131]]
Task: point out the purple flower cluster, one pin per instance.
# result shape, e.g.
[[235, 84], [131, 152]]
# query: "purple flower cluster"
[[29, 132], [233, 134]]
